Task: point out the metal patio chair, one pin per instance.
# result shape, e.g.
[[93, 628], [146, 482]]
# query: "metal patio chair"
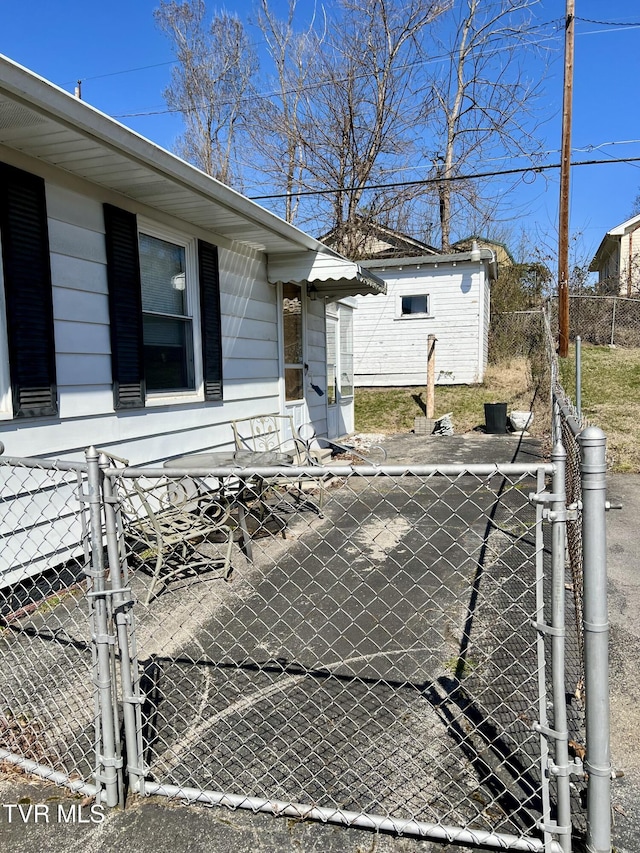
[[274, 436]]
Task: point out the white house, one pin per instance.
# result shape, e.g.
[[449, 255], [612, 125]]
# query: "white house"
[[143, 304], [617, 260], [443, 295]]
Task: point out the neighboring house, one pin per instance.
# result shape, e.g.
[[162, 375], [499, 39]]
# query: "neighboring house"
[[501, 251], [371, 240], [444, 295], [143, 304], [617, 260]]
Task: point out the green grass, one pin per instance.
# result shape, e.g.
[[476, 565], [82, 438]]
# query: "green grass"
[[392, 410], [610, 399]]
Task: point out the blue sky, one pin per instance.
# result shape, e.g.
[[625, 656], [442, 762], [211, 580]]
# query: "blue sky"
[[65, 41]]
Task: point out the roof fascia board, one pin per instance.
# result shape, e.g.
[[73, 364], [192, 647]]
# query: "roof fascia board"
[[432, 260], [624, 227]]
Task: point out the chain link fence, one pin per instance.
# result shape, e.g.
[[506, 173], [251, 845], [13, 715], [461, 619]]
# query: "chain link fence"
[[379, 662], [567, 425], [376, 646], [602, 320], [517, 334], [49, 714]]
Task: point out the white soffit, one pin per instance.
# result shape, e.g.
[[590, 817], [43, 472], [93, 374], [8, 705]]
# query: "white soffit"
[[43, 121], [331, 275]]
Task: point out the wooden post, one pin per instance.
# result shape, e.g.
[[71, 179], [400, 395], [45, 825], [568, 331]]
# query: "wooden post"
[[565, 168], [431, 375]]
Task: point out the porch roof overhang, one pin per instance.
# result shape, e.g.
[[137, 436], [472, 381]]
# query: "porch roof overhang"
[[326, 274]]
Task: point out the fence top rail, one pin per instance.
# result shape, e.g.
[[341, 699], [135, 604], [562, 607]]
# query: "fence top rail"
[[44, 464], [511, 313], [605, 297], [568, 413], [315, 471]]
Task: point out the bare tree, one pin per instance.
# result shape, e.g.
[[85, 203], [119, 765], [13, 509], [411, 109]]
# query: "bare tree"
[[354, 104], [482, 101], [360, 120], [210, 83], [277, 131]]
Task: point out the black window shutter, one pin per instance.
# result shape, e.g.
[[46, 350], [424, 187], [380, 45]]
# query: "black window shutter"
[[210, 316], [125, 308], [28, 294]]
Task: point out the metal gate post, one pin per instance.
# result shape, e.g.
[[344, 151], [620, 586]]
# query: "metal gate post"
[[125, 627], [593, 468], [558, 637], [108, 762]]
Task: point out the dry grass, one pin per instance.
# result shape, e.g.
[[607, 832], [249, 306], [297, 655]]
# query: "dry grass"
[[392, 410]]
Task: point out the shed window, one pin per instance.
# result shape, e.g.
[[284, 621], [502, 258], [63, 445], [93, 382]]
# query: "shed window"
[[414, 304]]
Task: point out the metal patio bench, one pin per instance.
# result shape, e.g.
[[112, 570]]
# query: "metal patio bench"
[[172, 529]]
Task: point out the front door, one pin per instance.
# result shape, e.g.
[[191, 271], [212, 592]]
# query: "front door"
[[340, 411]]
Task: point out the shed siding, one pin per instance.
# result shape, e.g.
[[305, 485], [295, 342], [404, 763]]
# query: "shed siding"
[[389, 350]]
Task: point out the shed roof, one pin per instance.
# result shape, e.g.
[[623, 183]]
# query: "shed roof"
[[434, 262]]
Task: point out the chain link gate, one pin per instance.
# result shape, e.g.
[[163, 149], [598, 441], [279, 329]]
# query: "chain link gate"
[[395, 661]]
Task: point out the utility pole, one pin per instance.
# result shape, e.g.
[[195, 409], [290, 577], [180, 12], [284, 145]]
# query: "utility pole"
[[565, 170]]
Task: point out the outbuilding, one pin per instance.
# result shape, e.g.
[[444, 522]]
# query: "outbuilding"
[[447, 296]]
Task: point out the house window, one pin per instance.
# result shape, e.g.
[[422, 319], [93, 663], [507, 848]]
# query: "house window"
[[164, 304], [166, 321], [292, 337], [27, 348], [414, 305]]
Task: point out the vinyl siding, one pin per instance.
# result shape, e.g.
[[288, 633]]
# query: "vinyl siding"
[[83, 355], [150, 435]]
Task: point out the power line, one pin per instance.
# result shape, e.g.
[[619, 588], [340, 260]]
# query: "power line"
[[124, 71], [134, 70], [424, 181], [268, 95], [608, 23], [308, 88]]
